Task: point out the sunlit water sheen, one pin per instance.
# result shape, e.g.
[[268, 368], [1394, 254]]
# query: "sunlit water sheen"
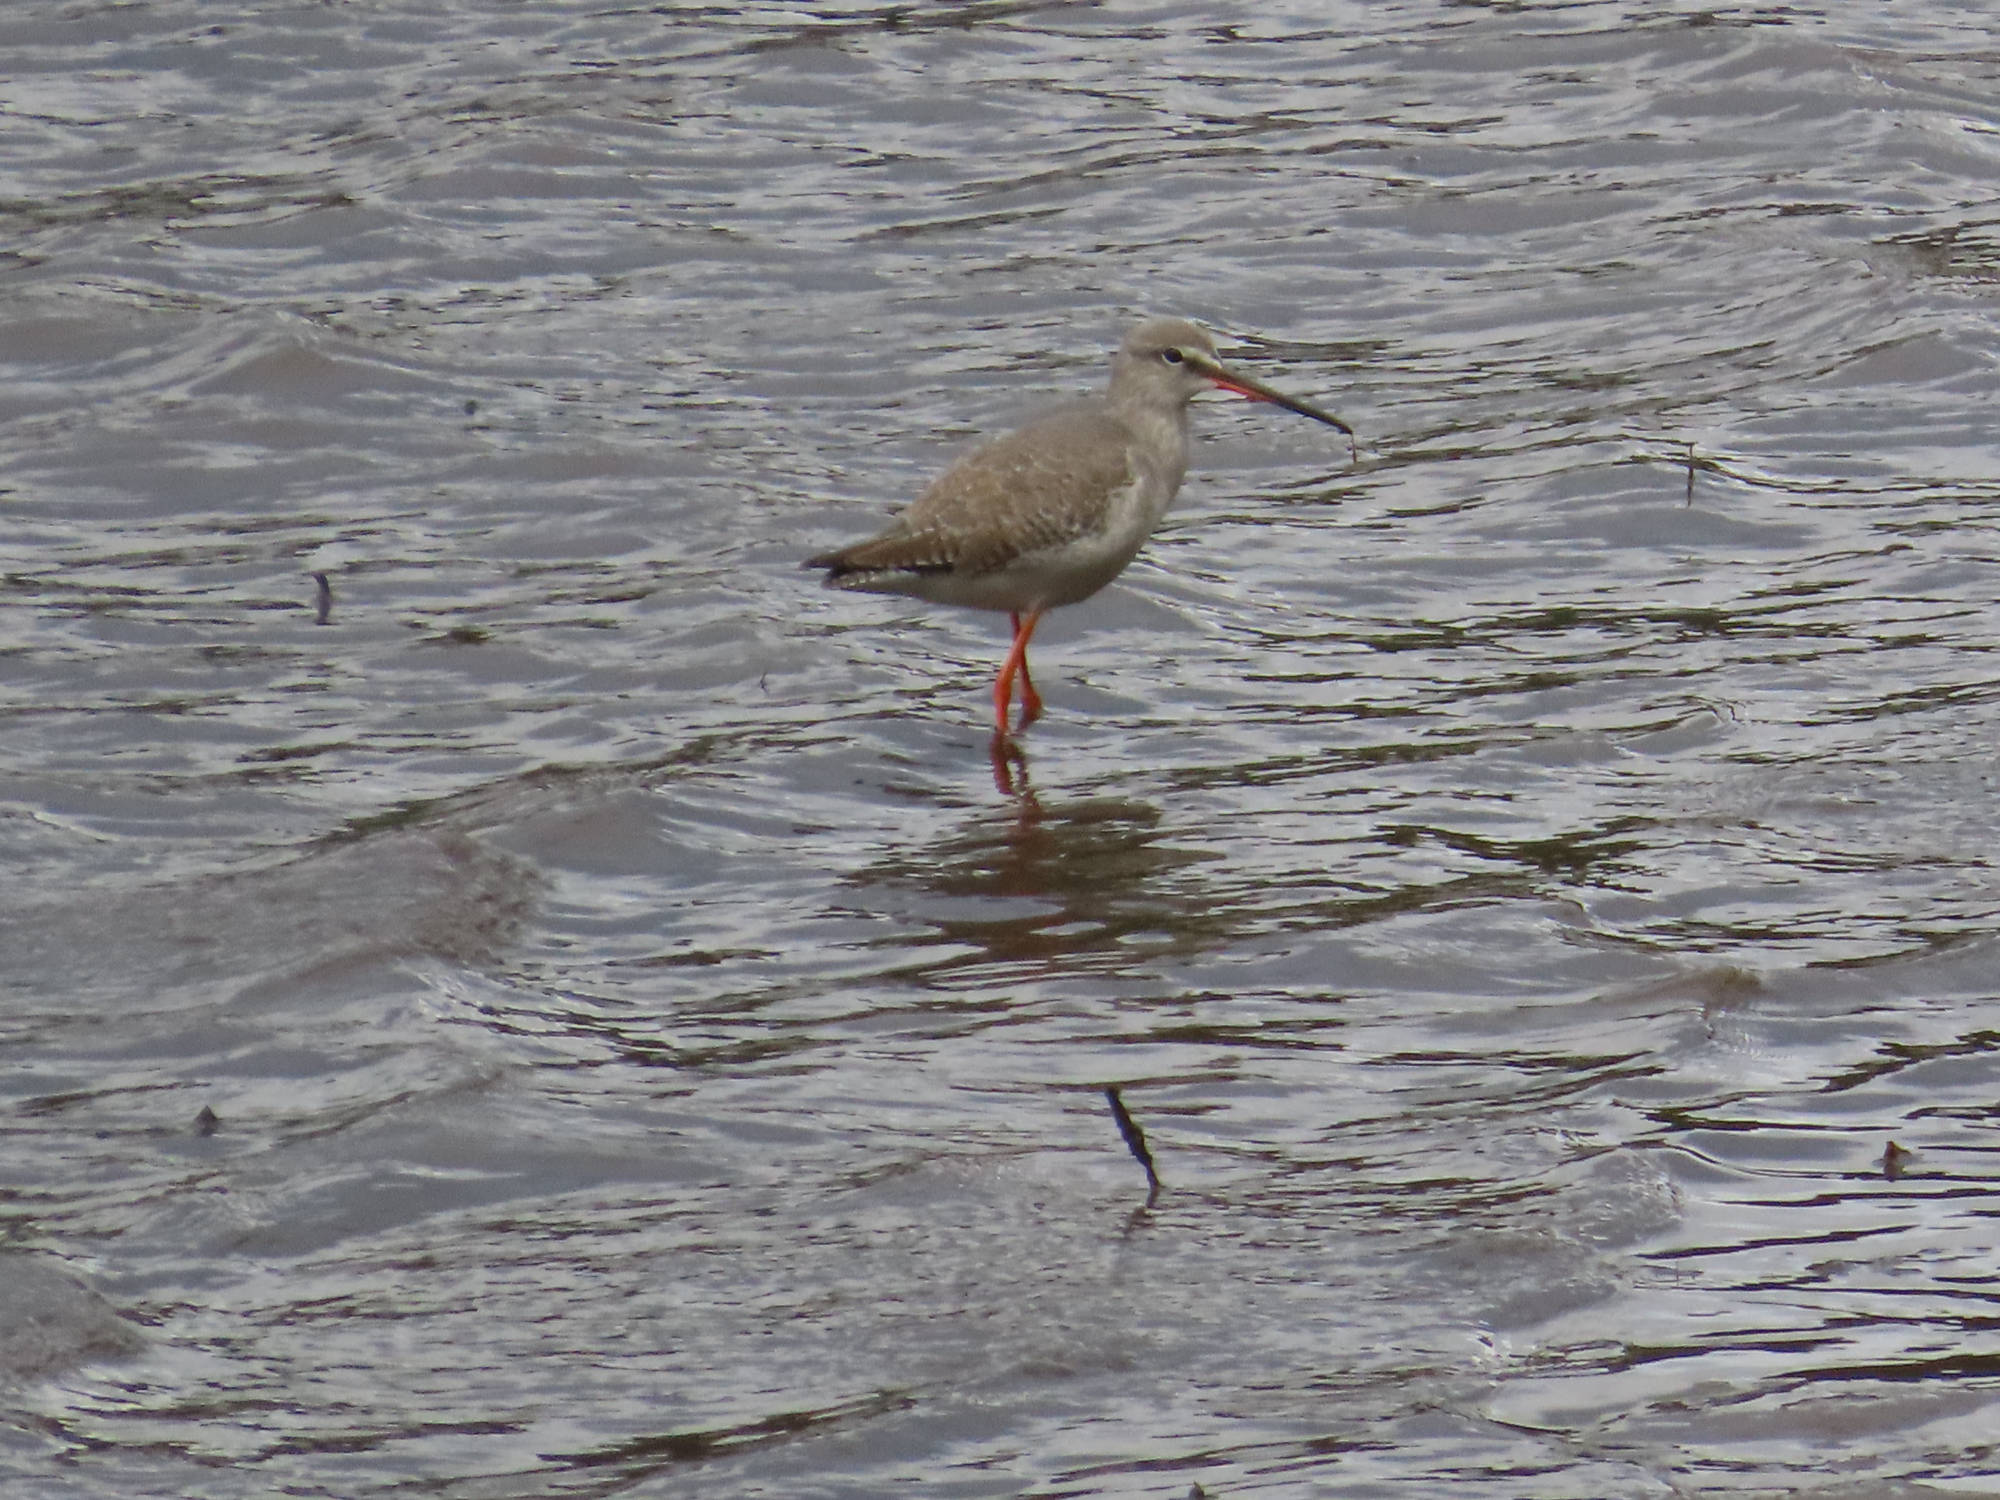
[[1522, 881]]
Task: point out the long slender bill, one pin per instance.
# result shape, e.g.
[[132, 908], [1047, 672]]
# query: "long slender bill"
[[1226, 379]]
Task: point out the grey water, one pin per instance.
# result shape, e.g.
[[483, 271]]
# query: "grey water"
[[571, 1012]]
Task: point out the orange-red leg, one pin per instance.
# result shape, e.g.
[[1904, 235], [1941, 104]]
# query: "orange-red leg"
[[1031, 701], [1016, 664]]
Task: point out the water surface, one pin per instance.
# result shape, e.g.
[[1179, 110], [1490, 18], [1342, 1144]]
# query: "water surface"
[[581, 1019]]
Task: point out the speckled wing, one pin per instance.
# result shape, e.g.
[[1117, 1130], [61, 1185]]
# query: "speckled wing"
[[1038, 488]]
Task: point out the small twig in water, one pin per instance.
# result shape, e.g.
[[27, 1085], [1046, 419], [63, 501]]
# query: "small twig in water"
[[1135, 1138], [1690, 496], [323, 604]]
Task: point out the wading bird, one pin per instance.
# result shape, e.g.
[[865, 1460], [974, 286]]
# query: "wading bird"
[[1052, 512]]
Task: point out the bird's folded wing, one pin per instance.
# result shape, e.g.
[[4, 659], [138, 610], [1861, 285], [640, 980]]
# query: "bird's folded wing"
[[1039, 488]]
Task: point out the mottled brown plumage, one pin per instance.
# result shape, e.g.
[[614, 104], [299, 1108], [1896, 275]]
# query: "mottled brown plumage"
[[1002, 508], [1049, 514]]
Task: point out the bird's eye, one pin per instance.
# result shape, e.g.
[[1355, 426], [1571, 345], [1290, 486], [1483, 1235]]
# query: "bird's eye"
[[1172, 356]]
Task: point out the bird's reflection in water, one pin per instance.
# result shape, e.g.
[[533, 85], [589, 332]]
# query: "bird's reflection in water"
[[1010, 773], [1054, 881]]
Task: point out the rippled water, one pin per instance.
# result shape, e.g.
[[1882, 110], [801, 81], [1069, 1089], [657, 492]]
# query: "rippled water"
[[581, 1019]]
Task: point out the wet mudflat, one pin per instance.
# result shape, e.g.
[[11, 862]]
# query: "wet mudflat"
[[581, 1019]]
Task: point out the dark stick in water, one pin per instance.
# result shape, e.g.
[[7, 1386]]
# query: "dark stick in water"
[[1135, 1138]]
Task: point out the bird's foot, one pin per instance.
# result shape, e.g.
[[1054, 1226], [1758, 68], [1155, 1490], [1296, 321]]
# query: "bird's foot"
[[1031, 704]]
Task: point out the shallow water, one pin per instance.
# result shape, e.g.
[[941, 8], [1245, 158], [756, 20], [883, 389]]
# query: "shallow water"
[[1522, 881]]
